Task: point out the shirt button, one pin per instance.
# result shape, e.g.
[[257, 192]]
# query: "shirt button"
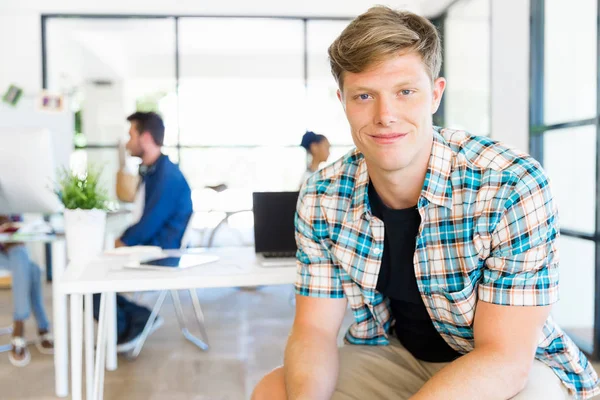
[[376, 251]]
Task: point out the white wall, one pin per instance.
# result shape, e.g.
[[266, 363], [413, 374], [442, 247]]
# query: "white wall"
[[510, 72], [20, 49]]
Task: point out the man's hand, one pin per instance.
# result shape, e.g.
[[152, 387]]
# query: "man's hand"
[[506, 339], [119, 243], [8, 227]]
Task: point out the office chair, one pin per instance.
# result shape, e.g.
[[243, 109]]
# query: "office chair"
[[5, 331], [223, 191], [202, 342]]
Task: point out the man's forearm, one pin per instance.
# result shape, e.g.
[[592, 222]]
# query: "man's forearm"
[[481, 374], [310, 366]]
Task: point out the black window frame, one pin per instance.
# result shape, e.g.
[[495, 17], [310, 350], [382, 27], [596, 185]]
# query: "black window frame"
[[537, 129]]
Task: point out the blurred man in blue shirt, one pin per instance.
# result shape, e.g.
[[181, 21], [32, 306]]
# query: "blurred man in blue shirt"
[[166, 212]]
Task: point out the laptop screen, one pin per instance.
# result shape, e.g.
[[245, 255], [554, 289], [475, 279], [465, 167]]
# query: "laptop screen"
[[274, 221]]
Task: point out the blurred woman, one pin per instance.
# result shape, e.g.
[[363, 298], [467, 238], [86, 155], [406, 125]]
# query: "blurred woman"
[[317, 150], [27, 297]]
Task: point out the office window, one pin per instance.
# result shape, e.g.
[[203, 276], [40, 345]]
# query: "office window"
[[563, 135], [575, 197], [236, 94], [242, 86], [575, 310], [467, 66], [172, 152], [241, 81], [325, 114], [570, 60], [108, 68], [265, 168]]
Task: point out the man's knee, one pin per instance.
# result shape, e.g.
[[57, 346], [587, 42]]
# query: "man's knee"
[[271, 386]]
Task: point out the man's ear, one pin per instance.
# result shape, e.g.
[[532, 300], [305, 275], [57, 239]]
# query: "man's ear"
[[147, 136], [438, 91], [340, 97]]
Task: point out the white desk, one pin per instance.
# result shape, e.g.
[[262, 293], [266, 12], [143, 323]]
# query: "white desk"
[[59, 304], [29, 238], [237, 267]]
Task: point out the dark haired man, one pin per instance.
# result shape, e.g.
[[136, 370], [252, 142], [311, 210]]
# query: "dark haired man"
[[166, 212]]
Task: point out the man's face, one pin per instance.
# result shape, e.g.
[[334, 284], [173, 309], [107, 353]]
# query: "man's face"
[[134, 145], [389, 107]]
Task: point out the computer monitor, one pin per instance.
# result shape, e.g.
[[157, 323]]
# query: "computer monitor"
[[28, 165], [274, 221]]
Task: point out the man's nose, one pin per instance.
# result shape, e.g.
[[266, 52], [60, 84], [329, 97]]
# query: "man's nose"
[[385, 114]]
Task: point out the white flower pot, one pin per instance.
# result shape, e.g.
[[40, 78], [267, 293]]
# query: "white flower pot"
[[84, 231]]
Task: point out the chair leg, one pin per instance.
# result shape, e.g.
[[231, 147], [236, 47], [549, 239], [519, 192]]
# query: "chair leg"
[[201, 343], [211, 238], [5, 331], [199, 313], [137, 296], [138, 347]]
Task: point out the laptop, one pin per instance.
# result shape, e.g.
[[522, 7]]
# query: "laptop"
[[274, 239]]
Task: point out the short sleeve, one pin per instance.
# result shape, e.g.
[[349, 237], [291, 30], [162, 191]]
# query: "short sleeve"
[[317, 274], [522, 267]]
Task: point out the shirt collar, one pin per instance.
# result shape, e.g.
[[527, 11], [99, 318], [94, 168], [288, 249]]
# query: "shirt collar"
[[437, 188], [360, 200]]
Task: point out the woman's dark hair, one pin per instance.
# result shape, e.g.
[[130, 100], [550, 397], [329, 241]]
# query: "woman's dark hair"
[[310, 138]]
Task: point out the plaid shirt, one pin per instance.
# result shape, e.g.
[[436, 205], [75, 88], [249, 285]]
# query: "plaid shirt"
[[488, 232]]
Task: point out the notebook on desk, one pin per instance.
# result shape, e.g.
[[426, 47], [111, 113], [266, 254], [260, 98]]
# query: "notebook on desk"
[[274, 240]]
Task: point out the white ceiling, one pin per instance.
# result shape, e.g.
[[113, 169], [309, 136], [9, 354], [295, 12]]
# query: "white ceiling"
[[349, 8]]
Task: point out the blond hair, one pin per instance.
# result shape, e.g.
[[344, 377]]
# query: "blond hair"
[[381, 33]]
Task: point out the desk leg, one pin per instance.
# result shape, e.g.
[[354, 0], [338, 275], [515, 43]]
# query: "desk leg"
[[98, 393], [146, 331], [76, 345], [60, 323], [49, 261], [111, 319], [89, 344]]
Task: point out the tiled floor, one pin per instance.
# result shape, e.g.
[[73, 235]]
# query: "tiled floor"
[[247, 331]]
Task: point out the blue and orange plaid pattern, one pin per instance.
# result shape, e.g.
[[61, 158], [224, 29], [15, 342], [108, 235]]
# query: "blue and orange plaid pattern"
[[488, 231]]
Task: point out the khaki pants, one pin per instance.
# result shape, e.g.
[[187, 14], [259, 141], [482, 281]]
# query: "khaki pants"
[[391, 372]]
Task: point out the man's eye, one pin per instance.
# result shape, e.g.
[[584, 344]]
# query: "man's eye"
[[406, 92], [364, 96]]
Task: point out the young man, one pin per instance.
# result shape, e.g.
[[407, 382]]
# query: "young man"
[[443, 244], [166, 212]]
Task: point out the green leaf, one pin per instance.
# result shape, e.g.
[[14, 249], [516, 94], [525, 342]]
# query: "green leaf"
[[81, 191]]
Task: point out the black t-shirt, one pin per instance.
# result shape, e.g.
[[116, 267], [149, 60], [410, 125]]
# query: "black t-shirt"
[[397, 281]]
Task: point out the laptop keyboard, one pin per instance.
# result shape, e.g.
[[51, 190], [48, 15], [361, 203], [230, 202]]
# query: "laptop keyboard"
[[279, 254]]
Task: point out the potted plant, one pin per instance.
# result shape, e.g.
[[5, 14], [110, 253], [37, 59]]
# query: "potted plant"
[[86, 203]]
